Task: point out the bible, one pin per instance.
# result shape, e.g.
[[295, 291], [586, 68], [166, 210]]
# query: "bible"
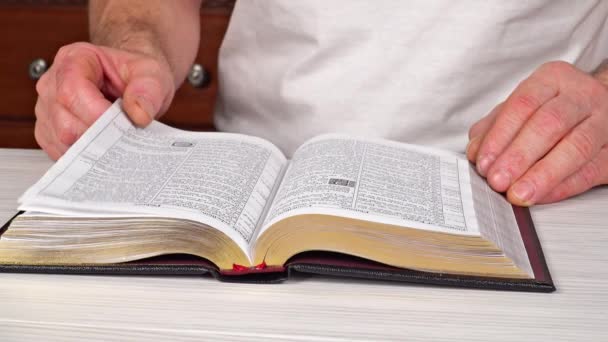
[[159, 200]]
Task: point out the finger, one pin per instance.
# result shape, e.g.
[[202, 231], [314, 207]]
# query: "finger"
[[478, 131], [585, 178], [149, 90], [44, 138], [526, 99], [67, 128], [56, 129], [43, 130], [540, 133], [56, 147], [45, 85], [483, 125], [576, 149], [79, 77], [40, 132]]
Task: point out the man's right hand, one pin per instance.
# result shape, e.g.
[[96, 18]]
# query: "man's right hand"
[[76, 90]]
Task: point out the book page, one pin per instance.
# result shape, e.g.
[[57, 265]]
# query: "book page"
[[395, 183], [377, 180], [115, 169], [497, 221]]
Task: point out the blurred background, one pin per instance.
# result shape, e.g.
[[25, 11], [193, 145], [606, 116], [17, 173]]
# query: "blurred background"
[[33, 31]]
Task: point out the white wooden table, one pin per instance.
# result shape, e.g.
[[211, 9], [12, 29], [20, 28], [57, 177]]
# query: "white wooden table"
[[574, 235]]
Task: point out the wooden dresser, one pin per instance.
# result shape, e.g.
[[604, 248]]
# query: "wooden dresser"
[[31, 32]]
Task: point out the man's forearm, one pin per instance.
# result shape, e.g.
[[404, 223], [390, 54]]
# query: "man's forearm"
[[166, 30]]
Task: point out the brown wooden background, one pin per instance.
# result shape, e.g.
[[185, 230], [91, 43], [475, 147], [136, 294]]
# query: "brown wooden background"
[[37, 29]]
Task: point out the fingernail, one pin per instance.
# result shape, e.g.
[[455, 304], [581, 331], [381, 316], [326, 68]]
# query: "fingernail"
[[484, 164], [146, 106], [524, 191], [501, 180]]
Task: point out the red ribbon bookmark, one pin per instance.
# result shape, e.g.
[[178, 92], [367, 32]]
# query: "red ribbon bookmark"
[[261, 266], [241, 268]]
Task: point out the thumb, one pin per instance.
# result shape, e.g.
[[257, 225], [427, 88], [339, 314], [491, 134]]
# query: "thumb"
[[148, 93]]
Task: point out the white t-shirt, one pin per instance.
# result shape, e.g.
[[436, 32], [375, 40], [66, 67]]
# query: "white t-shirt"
[[414, 71]]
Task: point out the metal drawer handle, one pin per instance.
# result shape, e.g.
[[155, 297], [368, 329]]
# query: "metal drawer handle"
[[37, 68], [198, 76]]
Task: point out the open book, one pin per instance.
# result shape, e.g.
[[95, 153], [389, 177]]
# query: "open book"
[[123, 194]]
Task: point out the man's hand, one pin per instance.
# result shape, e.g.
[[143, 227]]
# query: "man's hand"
[[142, 50], [548, 140], [73, 93]]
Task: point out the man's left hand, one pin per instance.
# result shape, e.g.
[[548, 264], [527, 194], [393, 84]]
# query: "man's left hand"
[[548, 140]]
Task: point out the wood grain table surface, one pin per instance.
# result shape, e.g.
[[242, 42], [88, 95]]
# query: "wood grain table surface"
[[573, 233]]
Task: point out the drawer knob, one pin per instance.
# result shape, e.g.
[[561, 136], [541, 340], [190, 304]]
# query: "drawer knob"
[[198, 76], [37, 68]]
